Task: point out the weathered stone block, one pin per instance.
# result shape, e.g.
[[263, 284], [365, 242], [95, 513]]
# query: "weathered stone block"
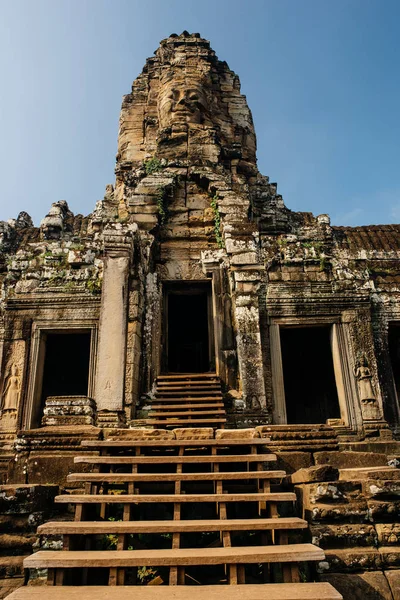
[[293, 461], [373, 585], [194, 433], [140, 434], [393, 578], [356, 512], [344, 459], [314, 474], [236, 434], [343, 535], [351, 559], [384, 510], [388, 533]]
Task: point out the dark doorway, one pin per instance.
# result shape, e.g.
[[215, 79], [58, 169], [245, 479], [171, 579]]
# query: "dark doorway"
[[188, 335], [394, 350], [309, 379], [66, 365]]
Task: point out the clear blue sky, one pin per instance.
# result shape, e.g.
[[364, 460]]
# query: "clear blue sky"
[[322, 79]]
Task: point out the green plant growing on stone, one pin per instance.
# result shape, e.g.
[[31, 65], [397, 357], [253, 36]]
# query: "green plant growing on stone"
[[217, 221], [94, 286], [162, 206], [153, 165]]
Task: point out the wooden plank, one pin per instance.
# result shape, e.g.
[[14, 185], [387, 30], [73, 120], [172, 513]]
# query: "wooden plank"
[[176, 557], [182, 498], [146, 460], [172, 443], [116, 527], [186, 422], [184, 413], [187, 406], [270, 591], [153, 477]]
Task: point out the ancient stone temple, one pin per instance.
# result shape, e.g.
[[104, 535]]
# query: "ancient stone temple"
[[193, 300]]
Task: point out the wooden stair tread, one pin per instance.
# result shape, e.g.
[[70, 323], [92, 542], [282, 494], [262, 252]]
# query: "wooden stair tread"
[[191, 399], [184, 413], [217, 458], [175, 421], [108, 527], [187, 406], [270, 591], [174, 557], [187, 393], [154, 477], [169, 376], [171, 443], [174, 498]]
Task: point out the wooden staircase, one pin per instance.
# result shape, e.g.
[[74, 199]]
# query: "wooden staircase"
[[187, 400], [198, 513]]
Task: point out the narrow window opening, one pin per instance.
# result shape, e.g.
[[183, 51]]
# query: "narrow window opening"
[[309, 380]]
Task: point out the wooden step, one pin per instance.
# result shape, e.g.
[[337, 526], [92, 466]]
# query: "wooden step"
[[270, 591], [190, 376], [174, 498], [188, 400], [61, 559], [186, 422], [162, 477], [146, 460], [197, 525], [184, 413], [154, 443], [187, 393], [202, 385], [188, 406]]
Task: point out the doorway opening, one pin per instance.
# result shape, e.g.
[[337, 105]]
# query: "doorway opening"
[[308, 373], [66, 364], [188, 329], [394, 351]]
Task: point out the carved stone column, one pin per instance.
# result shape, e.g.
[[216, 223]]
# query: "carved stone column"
[[248, 341], [110, 376]]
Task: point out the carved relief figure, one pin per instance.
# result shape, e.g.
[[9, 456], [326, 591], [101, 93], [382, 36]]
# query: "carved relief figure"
[[369, 405], [12, 390], [183, 101]]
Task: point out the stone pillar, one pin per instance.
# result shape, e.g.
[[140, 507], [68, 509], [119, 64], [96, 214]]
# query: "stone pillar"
[[110, 374], [248, 341]]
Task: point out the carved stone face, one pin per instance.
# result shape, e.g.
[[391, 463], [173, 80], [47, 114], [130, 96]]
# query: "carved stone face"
[[183, 101]]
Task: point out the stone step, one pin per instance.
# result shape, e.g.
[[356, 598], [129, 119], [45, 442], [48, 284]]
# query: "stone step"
[[173, 443], [162, 477], [146, 460], [174, 498], [62, 559], [197, 525], [361, 473], [272, 591]]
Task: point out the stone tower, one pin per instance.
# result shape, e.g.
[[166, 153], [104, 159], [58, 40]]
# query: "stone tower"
[[192, 264]]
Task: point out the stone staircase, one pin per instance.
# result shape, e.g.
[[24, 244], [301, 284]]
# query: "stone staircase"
[[204, 513], [354, 516], [186, 400]]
